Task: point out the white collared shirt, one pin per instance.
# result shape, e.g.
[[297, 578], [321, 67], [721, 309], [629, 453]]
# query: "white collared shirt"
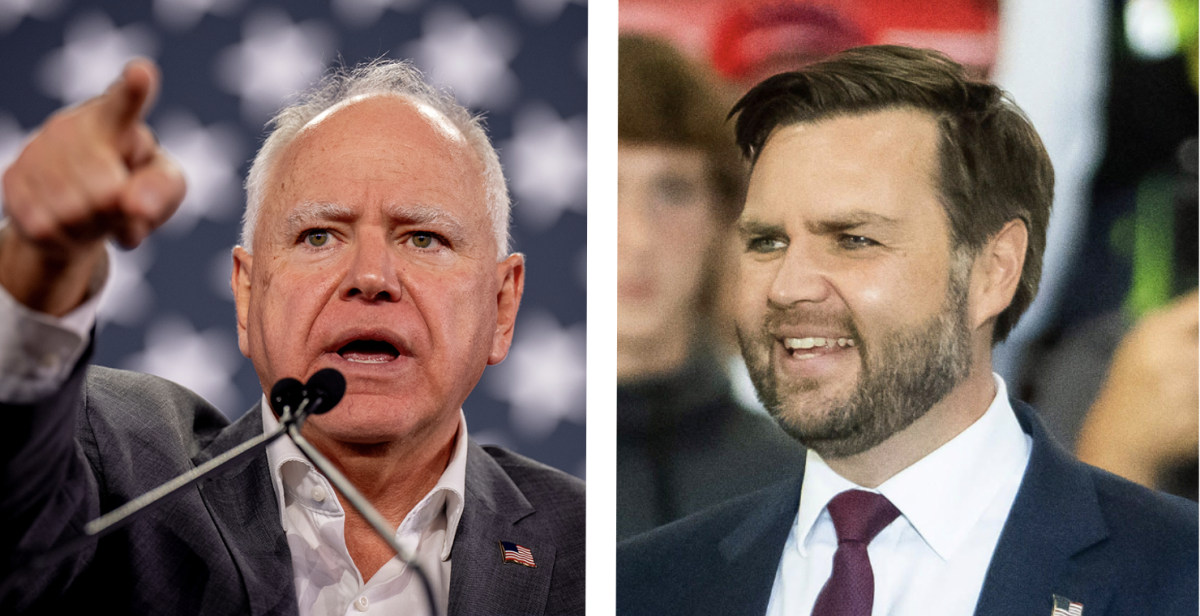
[[933, 558], [327, 580]]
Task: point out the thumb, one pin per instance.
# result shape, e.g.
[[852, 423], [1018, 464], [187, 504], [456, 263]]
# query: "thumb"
[[130, 96]]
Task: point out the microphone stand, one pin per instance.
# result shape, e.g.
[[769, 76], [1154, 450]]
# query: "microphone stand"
[[359, 502], [289, 423]]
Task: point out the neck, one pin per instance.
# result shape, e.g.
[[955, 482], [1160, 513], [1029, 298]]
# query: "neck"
[[963, 406], [393, 477]]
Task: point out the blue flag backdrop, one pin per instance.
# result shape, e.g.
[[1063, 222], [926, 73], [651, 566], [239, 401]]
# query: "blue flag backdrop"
[[227, 66]]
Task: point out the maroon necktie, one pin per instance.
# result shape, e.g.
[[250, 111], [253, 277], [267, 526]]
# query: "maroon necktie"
[[858, 516]]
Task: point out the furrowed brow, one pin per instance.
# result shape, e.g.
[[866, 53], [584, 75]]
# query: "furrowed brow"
[[437, 219], [307, 215], [849, 221], [757, 228]]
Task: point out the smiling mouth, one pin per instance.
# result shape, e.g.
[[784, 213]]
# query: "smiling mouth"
[[806, 348], [369, 352]]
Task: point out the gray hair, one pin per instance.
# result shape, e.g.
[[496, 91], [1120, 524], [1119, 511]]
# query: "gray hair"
[[398, 78]]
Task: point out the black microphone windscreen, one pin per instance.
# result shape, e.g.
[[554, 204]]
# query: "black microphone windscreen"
[[286, 392], [327, 384]]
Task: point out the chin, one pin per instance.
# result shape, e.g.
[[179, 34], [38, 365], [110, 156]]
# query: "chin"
[[375, 419]]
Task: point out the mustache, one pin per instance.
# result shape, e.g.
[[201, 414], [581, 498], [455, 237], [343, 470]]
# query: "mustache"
[[790, 317]]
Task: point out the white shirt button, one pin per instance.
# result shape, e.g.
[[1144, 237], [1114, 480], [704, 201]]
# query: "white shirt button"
[[318, 495], [362, 603]]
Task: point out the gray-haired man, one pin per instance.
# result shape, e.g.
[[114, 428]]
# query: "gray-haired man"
[[375, 242]]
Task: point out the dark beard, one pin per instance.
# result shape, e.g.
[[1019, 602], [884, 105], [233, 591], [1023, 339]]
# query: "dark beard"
[[903, 376]]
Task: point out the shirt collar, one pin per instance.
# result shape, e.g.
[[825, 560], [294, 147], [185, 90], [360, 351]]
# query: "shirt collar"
[[945, 493], [446, 495]]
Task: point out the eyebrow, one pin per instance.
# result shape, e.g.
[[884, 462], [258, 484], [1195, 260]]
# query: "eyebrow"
[[849, 220], [307, 214], [758, 228], [833, 224], [426, 215]]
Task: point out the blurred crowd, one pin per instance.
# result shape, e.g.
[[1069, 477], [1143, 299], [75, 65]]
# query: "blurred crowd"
[[1107, 353]]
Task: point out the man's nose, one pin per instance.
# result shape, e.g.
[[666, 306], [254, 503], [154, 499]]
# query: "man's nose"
[[373, 271], [801, 277]]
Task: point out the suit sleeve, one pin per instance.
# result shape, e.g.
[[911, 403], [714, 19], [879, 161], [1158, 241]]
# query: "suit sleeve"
[[47, 487]]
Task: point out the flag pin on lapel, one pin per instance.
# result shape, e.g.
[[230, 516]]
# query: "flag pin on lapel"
[[519, 554], [1066, 607]]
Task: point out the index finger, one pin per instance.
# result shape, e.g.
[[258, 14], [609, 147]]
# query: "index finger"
[[127, 99]]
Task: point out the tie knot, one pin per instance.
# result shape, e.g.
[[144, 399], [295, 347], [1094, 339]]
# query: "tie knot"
[[859, 515]]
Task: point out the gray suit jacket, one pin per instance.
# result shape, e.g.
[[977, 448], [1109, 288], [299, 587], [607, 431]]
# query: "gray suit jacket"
[[219, 548]]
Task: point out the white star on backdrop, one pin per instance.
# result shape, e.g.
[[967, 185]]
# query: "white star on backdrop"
[[12, 139], [469, 56], [13, 11], [275, 59], [210, 157], [127, 297], [93, 53], [543, 377], [362, 13], [545, 11], [185, 14], [547, 164], [204, 362]]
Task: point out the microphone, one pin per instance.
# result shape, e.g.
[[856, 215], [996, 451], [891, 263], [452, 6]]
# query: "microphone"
[[293, 401], [324, 390], [319, 395]]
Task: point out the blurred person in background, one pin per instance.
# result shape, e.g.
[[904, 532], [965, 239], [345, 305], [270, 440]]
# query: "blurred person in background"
[[1116, 375], [683, 442]]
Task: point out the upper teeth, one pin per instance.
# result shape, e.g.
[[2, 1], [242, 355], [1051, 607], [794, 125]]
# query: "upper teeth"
[[808, 343]]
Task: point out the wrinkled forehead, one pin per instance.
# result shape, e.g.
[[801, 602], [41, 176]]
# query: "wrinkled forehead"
[[383, 149]]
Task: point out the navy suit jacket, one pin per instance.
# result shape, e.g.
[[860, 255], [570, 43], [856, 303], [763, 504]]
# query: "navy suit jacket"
[[219, 547], [1074, 531]]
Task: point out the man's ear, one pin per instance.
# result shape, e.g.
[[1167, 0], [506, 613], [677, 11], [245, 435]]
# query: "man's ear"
[[510, 274], [239, 281], [997, 272]]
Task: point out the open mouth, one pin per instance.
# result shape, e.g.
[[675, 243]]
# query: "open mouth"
[[805, 348], [369, 352]]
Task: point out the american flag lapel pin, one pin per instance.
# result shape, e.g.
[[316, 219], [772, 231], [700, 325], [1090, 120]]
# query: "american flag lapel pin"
[[519, 554], [1066, 607]]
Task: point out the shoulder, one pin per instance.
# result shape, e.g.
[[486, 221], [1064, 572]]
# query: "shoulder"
[[706, 558], [124, 413], [546, 488], [689, 541], [1148, 520]]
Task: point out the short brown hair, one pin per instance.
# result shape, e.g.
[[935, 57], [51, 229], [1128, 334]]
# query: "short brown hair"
[[662, 98], [993, 166]]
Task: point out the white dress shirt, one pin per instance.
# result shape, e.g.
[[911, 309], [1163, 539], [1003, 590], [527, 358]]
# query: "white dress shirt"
[[933, 558], [327, 581]]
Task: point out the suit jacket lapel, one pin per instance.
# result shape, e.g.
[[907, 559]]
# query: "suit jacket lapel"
[[243, 504], [1054, 517], [480, 580], [751, 552]]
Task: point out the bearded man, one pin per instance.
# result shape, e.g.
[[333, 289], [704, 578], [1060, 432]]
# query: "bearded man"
[[892, 233]]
